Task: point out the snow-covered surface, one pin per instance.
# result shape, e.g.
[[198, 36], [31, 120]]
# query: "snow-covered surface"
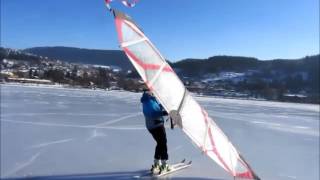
[[93, 134]]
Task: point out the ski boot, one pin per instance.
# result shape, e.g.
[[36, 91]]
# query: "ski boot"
[[164, 167], [155, 168]]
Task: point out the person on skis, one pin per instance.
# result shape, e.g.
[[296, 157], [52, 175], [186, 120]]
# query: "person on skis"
[[154, 120]]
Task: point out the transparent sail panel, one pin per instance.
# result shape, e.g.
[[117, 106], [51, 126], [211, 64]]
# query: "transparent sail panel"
[[240, 167], [192, 119], [140, 70], [145, 53], [150, 74], [169, 87], [222, 147], [128, 34]]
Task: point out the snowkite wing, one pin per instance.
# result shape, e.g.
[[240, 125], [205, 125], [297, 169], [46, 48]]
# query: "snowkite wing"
[[172, 94]]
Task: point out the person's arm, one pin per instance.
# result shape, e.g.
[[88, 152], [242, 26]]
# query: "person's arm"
[[163, 111]]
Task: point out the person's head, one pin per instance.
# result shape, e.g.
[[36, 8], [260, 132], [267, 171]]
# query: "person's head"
[[147, 91], [145, 88]]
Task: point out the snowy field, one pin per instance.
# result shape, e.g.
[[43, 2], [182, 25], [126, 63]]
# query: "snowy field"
[[57, 133]]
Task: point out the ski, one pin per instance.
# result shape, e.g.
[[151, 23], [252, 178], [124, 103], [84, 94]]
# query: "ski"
[[174, 167]]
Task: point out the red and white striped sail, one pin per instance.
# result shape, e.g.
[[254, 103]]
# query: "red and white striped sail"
[[170, 91]]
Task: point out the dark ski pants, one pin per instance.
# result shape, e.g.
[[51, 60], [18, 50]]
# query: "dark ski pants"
[[159, 135]]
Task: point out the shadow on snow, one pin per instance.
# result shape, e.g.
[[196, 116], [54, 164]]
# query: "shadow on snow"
[[103, 176]]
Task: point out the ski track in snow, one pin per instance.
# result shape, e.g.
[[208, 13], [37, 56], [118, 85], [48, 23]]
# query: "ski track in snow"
[[283, 127], [41, 145], [288, 176], [22, 165], [172, 151], [63, 114], [287, 128], [119, 119], [74, 126], [269, 125], [260, 104], [95, 134]]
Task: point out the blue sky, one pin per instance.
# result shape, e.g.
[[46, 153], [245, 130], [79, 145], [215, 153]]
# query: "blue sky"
[[265, 29]]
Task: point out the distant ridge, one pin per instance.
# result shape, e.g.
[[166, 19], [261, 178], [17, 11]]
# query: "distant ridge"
[[85, 56], [216, 64], [188, 67]]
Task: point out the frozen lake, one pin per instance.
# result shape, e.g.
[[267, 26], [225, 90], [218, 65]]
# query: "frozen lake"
[[93, 134]]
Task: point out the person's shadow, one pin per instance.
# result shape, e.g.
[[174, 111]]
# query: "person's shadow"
[[108, 175]]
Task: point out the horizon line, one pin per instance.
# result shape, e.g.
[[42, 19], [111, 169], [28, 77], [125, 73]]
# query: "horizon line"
[[217, 55]]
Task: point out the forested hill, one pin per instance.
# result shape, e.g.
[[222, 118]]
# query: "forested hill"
[[85, 56], [189, 67], [216, 64]]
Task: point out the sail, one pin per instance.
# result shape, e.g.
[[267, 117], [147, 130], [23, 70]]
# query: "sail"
[[171, 93]]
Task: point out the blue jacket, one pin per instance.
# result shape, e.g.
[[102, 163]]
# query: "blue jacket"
[[152, 111]]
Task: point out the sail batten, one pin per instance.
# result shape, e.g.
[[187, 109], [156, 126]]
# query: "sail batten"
[[171, 93], [125, 44]]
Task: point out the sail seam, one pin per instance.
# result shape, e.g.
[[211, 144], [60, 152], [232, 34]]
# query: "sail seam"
[[213, 143], [130, 43], [155, 77]]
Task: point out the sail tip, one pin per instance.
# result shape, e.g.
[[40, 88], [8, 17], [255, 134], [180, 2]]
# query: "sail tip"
[[119, 14]]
